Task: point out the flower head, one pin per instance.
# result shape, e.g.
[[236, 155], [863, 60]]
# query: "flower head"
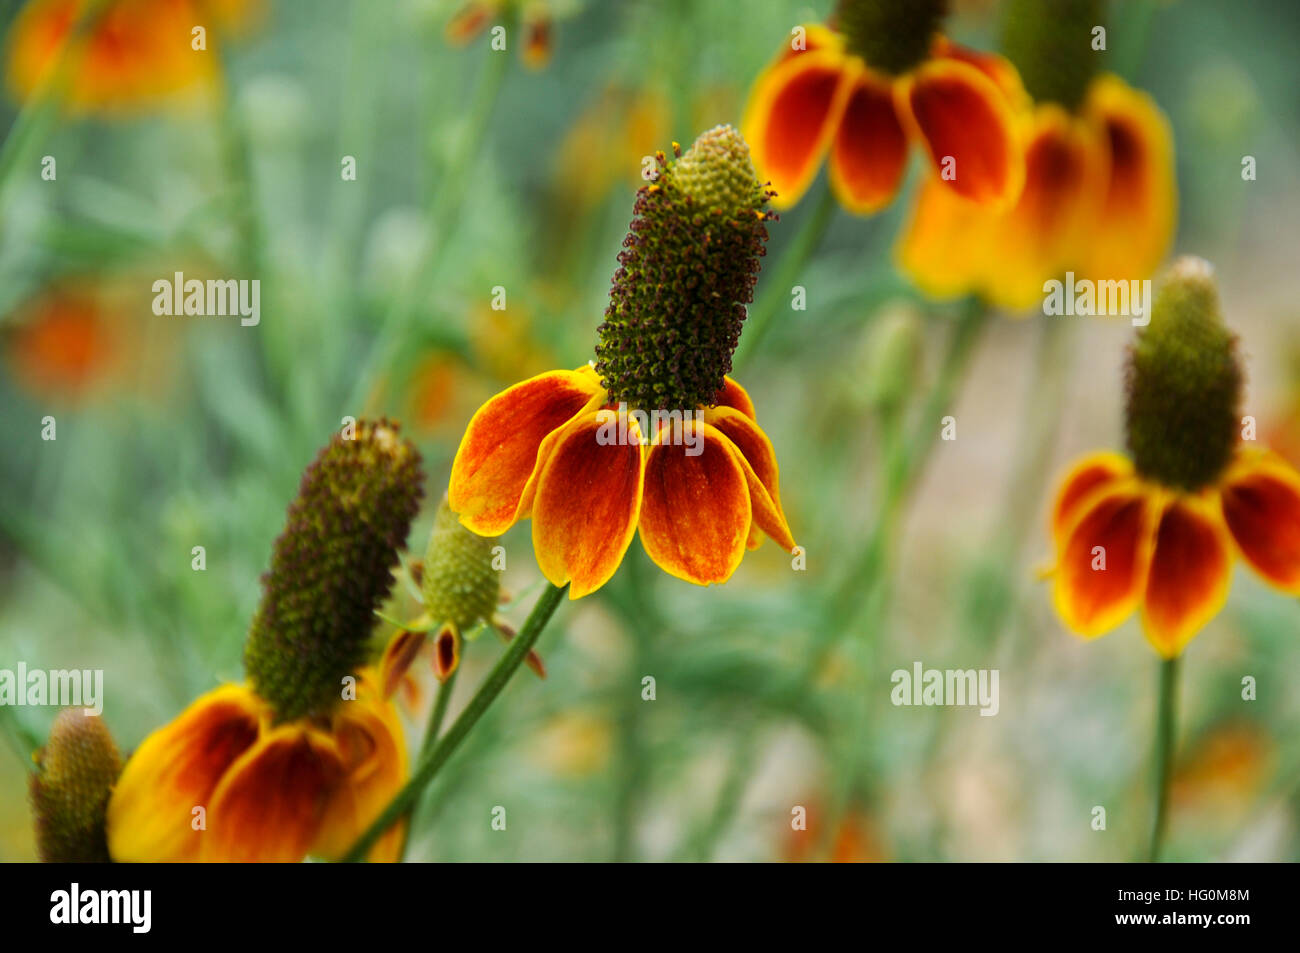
[[303, 759], [69, 791], [1160, 531], [1098, 196], [117, 55], [882, 77], [655, 436]]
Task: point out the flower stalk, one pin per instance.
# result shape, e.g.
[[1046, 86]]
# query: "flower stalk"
[[492, 686]]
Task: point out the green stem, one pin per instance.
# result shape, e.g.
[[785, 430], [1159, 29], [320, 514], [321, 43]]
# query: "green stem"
[[1166, 730], [436, 717], [777, 287], [429, 766]]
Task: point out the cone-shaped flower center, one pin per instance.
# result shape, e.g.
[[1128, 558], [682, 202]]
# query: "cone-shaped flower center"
[[1184, 384], [331, 568], [891, 35], [1051, 44], [688, 268], [460, 584], [75, 772]]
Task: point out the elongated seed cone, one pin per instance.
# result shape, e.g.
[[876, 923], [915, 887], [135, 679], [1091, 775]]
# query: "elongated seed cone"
[[1051, 44], [1184, 384], [75, 773], [891, 35], [332, 567], [687, 271]]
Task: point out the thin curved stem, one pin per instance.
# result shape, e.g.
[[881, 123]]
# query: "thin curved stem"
[[492, 686], [1166, 731]]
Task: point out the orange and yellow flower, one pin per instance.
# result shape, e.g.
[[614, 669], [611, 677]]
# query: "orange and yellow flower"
[[826, 99], [1099, 199], [128, 53], [1160, 530], [223, 782], [537, 20], [540, 450]]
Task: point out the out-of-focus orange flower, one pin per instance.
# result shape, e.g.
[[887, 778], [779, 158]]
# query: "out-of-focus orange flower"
[[855, 841], [1160, 532], [1226, 767], [128, 54], [268, 791], [824, 93], [1099, 199], [66, 344]]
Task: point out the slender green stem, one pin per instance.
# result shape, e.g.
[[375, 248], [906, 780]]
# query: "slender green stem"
[[1166, 731], [777, 287], [438, 714], [430, 765], [436, 717]]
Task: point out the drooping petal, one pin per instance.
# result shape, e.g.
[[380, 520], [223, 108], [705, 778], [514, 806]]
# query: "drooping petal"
[[968, 129], [996, 67], [270, 805], [792, 114], [1191, 569], [370, 741], [1102, 560], [696, 514], [176, 769], [446, 651], [761, 471], [1135, 223], [869, 151], [401, 650], [1260, 497], [946, 244], [733, 395], [588, 494], [1045, 234], [1085, 476], [500, 448]]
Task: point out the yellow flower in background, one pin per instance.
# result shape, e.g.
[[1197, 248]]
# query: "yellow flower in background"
[[1159, 531], [1099, 197], [305, 757], [127, 55], [884, 77]]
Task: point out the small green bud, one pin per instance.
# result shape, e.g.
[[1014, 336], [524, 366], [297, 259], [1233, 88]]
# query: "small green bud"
[[332, 567], [460, 584], [75, 773], [890, 357], [1184, 384]]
